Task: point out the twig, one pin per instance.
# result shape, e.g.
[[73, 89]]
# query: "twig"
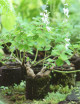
[[18, 61], [36, 56]]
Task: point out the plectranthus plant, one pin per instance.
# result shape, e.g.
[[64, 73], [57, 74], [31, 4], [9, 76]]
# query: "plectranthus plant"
[[29, 36], [41, 36], [61, 35]]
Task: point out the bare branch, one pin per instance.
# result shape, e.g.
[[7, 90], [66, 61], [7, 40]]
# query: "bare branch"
[[41, 60]]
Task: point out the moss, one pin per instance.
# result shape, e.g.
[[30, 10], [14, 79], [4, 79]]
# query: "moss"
[[63, 79]]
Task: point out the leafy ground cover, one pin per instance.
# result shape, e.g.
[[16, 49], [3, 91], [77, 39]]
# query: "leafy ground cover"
[[16, 94], [3, 100]]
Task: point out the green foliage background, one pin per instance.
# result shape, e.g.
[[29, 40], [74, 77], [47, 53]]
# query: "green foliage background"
[[7, 14]]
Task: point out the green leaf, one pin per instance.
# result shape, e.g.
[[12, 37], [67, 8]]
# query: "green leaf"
[[68, 62], [1, 47], [69, 52], [50, 60], [60, 47], [47, 47], [30, 51], [63, 57], [59, 62], [28, 59], [53, 64], [1, 52], [55, 52]]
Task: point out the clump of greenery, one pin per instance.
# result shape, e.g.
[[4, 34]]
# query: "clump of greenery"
[[16, 93], [61, 89], [20, 87], [52, 98], [15, 89], [59, 93]]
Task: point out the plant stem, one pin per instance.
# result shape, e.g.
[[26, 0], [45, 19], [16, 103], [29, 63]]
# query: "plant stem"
[[17, 53], [0, 24], [67, 71], [44, 60], [14, 57], [36, 56], [23, 58], [20, 56], [41, 60]]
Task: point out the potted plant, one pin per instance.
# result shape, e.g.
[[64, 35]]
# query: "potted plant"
[[38, 36]]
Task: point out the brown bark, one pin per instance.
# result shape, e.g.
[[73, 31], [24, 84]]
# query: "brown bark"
[[29, 71]]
